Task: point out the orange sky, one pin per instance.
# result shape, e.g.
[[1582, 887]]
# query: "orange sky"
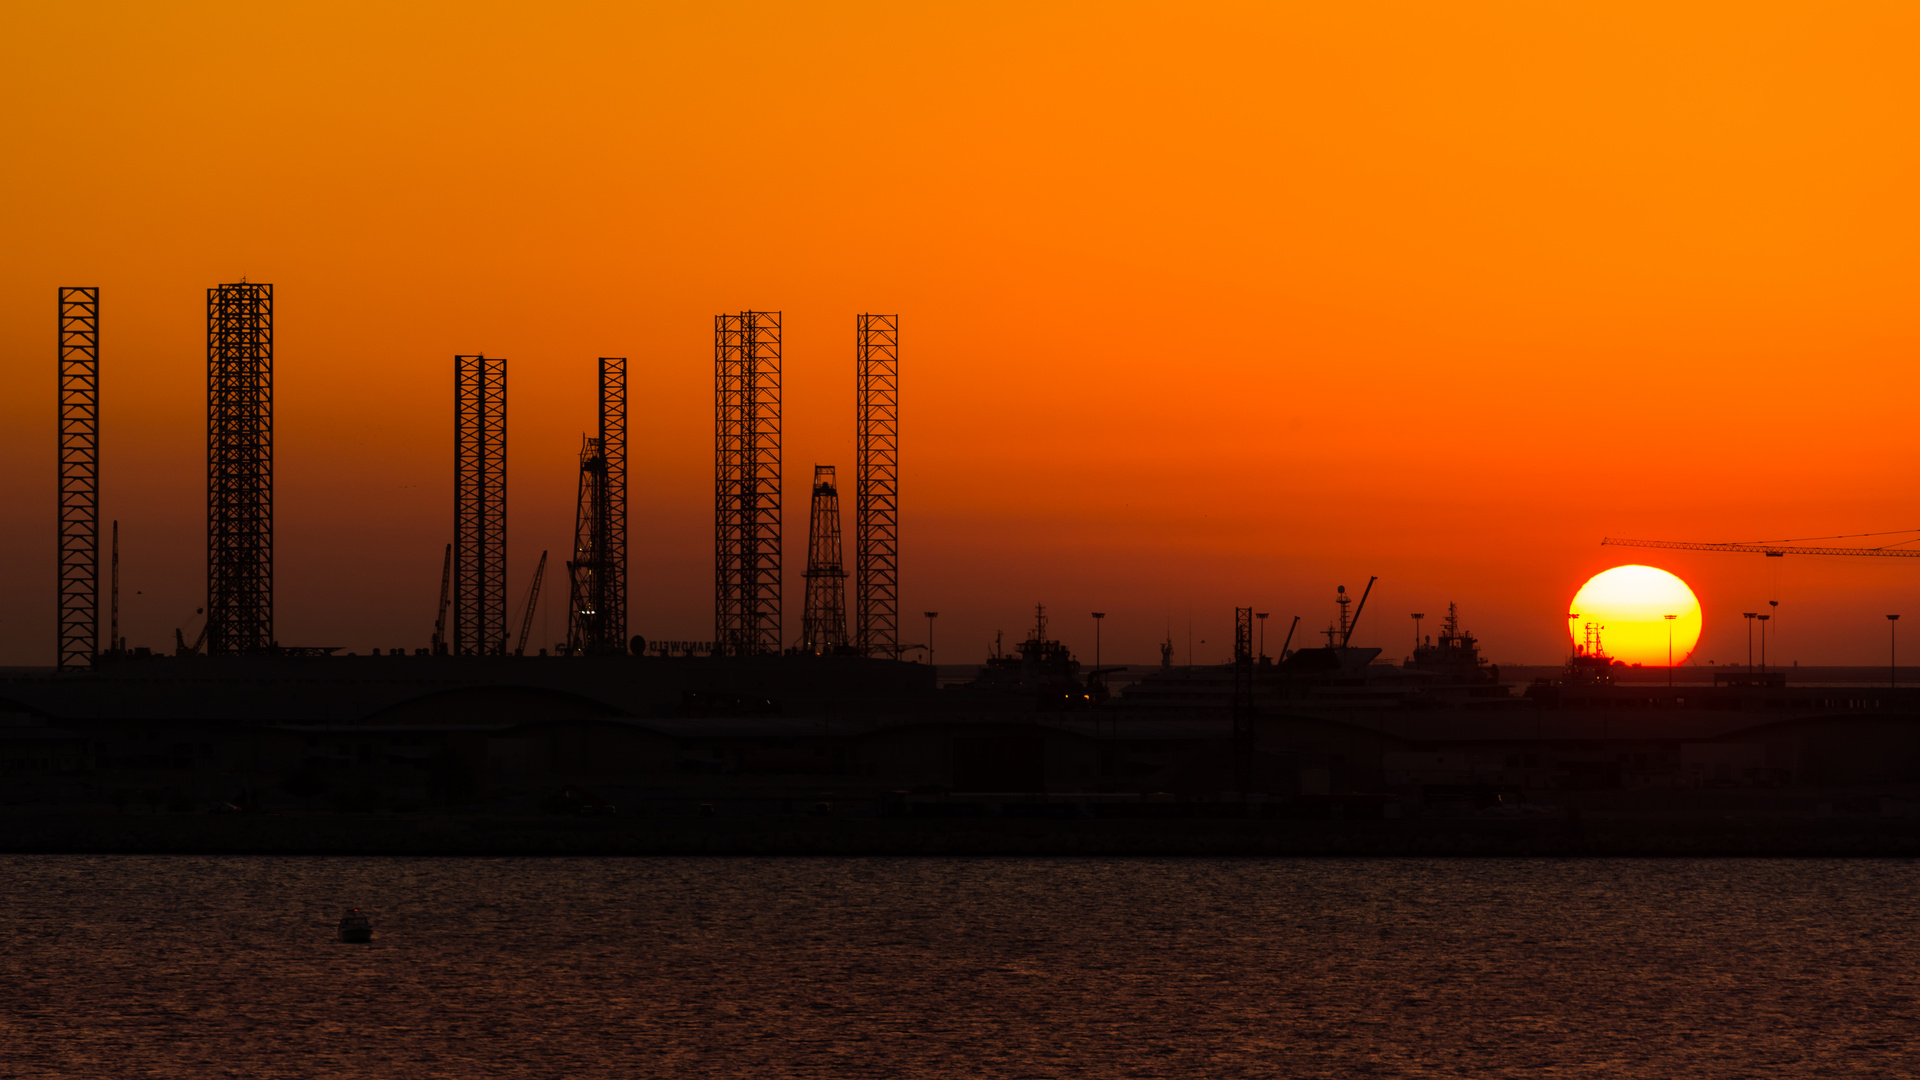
[[1200, 307]]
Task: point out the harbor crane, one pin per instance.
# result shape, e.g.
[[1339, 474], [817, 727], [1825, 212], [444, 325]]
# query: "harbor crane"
[[180, 646], [1779, 549], [440, 623], [533, 602], [1347, 628]]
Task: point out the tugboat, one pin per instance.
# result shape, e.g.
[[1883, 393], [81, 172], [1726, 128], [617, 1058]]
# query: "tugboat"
[[1588, 668], [1454, 658], [355, 928], [1041, 670], [1589, 665]]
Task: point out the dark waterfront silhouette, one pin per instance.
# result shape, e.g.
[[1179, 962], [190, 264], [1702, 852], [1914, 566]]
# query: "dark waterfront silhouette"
[[133, 965]]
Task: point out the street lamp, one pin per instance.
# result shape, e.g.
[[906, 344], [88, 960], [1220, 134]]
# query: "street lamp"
[[1750, 616], [1417, 616], [1262, 616], [1763, 642], [1891, 677], [932, 615], [1097, 616], [1669, 619]]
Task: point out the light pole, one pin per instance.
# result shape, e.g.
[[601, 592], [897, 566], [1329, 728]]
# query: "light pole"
[[1262, 616], [1669, 619], [1892, 678], [1750, 616], [1097, 616], [932, 615], [1417, 616]]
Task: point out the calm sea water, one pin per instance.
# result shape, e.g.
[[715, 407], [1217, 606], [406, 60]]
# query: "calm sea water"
[[226, 967]]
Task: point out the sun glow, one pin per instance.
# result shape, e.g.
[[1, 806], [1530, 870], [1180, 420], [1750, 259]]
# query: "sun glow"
[[1629, 605]]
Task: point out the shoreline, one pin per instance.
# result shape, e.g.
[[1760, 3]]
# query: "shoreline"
[[427, 835]]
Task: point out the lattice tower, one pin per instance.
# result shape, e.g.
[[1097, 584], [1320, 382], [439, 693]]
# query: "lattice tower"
[[77, 636], [747, 582], [479, 506], [613, 545], [877, 485], [240, 469], [823, 621]]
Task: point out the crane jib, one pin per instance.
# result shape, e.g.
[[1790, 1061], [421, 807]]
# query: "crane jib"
[[1772, 551]]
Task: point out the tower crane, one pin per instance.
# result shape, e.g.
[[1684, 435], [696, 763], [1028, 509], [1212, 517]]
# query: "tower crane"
[[1778, 549]]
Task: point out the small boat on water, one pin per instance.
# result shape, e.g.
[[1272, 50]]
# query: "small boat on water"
[[355, 927]]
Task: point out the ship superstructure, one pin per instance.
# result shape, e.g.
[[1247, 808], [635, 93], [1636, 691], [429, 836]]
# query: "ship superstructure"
[[1039, 668], [1588, 664], [1454, 657]]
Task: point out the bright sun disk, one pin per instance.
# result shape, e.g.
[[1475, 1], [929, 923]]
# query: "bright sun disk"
[[1629, 605]]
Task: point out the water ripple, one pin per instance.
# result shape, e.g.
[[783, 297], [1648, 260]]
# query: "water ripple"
[[172, 966]]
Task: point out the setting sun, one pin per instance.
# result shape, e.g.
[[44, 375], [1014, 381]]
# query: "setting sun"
[[1629, 605]]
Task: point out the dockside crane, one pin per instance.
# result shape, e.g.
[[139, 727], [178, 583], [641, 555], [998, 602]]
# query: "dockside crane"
[[180, 646], [1779, 549], [440, 624], [1346, 630], [533, 601]]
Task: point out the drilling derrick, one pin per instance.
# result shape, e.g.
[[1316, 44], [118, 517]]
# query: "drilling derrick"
[[597, 573], [746, 351], [479, 506], [876, 481], [78, 627], [823, 622], [239, 469], [587, 572]]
